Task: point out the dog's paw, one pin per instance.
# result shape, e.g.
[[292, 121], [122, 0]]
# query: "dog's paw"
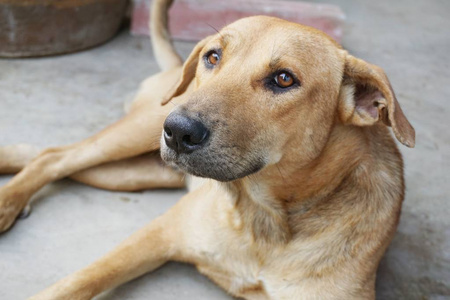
[[10, 208]]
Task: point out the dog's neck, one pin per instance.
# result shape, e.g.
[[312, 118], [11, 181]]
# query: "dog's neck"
[[264, 199]]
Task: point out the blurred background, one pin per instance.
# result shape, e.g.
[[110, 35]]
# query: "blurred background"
[[67, 66]]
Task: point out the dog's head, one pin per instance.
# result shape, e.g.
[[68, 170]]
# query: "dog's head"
[[263, 86]]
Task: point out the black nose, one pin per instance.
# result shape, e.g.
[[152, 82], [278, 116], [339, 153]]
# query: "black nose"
[[184, 134]]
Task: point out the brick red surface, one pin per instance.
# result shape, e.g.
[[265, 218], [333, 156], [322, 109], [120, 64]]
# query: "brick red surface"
[[191, 20]]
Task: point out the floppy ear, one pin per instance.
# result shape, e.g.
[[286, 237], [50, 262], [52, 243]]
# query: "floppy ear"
[[188, 73], [366, 97]]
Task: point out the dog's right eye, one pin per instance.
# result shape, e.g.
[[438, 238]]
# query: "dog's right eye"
[[212, 58]]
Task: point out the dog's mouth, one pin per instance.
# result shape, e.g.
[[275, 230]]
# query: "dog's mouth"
[[218, 163], [206, 148]]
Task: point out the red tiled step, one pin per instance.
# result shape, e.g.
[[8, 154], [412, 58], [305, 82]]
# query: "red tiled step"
[[191, 20]]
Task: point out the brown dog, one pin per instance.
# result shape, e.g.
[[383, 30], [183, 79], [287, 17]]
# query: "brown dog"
[[301, 185]]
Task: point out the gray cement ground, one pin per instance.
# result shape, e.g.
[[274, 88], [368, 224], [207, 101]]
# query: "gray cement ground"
[[59, 100]]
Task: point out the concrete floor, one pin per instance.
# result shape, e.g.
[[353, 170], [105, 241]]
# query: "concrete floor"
[[59, 100]]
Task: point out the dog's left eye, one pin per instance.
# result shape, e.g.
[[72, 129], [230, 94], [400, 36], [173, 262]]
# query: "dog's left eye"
[[284, 79], [281, 81]]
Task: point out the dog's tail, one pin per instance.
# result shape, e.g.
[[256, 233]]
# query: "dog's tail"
[[163, 49]]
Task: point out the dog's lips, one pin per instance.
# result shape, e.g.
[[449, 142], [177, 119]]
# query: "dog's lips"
[[168, 155], [173, 159], [214, 167]]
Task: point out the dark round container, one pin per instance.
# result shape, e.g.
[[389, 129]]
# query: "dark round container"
[[48, 27]]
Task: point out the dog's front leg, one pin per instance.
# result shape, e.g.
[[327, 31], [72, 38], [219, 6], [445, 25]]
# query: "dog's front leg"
[[177, 235], [142, 252], [164, 239]]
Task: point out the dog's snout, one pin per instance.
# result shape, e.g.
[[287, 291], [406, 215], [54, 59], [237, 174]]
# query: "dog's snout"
[[184, 134]]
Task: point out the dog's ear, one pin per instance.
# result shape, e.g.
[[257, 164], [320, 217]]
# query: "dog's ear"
[[188, 72], [366, 97]]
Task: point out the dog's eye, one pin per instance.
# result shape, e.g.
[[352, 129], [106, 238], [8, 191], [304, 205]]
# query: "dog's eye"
[[284, 79], [212, 58], [281, 81]]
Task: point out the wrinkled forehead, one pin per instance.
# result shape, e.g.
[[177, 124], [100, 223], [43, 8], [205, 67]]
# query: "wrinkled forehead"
[[270, 40]]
